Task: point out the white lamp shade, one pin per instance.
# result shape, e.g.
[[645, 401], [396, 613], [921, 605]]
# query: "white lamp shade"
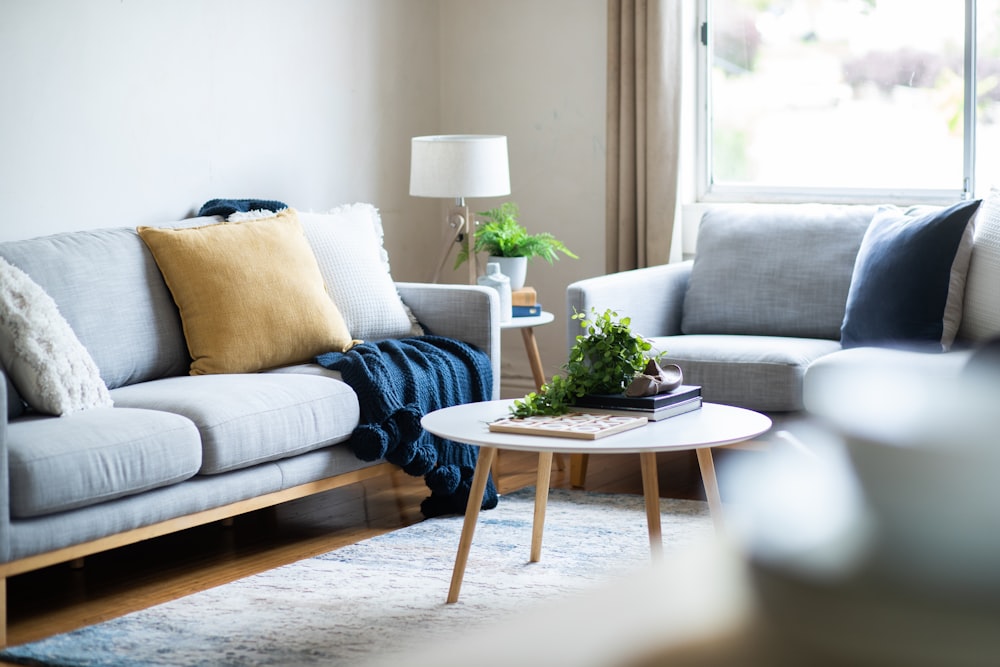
[[459, 165]]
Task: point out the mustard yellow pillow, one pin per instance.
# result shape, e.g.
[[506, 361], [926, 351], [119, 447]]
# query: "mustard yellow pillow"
[[250, 294]]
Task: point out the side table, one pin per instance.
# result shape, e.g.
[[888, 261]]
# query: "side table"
[[527, 326]]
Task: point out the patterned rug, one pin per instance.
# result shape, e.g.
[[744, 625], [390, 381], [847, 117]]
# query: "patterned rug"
[[386, 594]]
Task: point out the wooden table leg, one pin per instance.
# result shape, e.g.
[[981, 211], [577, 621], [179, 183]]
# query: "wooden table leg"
[[495, 469], [479, 478], [651, 493], [541, 499], [707, 466], [534, 358], [578, 469]]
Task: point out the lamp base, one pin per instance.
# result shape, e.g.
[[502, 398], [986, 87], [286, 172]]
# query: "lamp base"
[[461, 226]]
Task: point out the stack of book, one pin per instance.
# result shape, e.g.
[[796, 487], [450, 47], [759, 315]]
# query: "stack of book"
[[524, 302], [685, 398]]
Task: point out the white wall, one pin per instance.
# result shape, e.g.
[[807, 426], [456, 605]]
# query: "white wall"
[[536, 71], [126, 112], [123, 112]]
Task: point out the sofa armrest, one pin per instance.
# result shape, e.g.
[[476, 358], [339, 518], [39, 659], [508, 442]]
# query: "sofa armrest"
[[4, 478], [468, 313], [3, 406], [652, 297]]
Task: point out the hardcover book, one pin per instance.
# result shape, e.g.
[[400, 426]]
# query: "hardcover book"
[[526, 311], [659, 414], [523, 296], [620, 400]]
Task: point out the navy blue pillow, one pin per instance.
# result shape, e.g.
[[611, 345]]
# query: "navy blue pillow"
[[909, 278]]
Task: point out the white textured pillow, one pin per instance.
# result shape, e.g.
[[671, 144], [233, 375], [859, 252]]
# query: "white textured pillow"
[[47, 363], [981, 316], [347, 243]]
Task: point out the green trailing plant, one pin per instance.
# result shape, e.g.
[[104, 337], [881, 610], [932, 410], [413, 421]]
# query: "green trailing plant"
[[603, 360], [501, 235]]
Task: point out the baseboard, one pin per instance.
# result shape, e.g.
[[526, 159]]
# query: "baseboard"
[[516, 387]]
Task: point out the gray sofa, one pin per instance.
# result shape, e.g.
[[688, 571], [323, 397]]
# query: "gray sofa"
[[175, 450], [766, 296]]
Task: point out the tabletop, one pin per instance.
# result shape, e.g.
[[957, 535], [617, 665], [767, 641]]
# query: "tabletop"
[[713, 425], [525, 322]]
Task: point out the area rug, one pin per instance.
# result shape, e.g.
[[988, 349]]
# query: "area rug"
[[386, 594]]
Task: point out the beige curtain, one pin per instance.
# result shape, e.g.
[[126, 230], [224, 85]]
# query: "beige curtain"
[[644, 69]]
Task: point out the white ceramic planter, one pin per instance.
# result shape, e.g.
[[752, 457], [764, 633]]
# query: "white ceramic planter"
[[515, 268]]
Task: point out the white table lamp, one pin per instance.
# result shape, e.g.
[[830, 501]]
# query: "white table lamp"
[[457, 166]]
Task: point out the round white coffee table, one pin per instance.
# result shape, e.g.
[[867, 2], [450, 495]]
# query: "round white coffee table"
[[711, 426]]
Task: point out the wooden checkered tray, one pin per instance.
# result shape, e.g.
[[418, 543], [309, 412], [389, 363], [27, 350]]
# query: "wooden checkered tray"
[[580, 425]]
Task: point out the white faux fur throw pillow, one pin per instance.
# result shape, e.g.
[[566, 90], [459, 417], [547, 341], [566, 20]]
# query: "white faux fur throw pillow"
[[45, 360]]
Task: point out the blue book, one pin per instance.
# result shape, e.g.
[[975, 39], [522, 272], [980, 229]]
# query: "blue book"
[[526, 311]]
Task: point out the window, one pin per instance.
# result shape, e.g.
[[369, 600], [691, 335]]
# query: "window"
[[849, 100]]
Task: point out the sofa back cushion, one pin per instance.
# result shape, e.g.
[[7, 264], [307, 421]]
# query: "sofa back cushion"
[[107, 286], [774, 270], [41, 354]]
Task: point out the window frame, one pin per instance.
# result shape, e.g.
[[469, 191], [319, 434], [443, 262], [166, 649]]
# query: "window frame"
[[709, 192]]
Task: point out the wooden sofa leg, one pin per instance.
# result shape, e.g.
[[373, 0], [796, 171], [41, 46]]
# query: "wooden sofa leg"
[[578, 469]]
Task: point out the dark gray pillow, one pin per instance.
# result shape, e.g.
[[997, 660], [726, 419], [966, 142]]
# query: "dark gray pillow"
[[774, 270], [909, 278]]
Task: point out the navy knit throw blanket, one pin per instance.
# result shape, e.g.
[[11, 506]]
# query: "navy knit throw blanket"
[[226, 207], [397, 382]]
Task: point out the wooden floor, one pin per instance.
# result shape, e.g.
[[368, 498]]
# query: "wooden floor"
[[60, 598]]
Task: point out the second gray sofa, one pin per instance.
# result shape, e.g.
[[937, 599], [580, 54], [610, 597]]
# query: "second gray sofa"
[[767, 293]]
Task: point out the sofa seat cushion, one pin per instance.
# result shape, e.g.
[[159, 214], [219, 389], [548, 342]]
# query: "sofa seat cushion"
[[836, 372], [307, 369], [248, 418], [755, 372], [63, 463]]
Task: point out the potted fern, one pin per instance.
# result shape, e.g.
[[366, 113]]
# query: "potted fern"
[[509, 244]]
